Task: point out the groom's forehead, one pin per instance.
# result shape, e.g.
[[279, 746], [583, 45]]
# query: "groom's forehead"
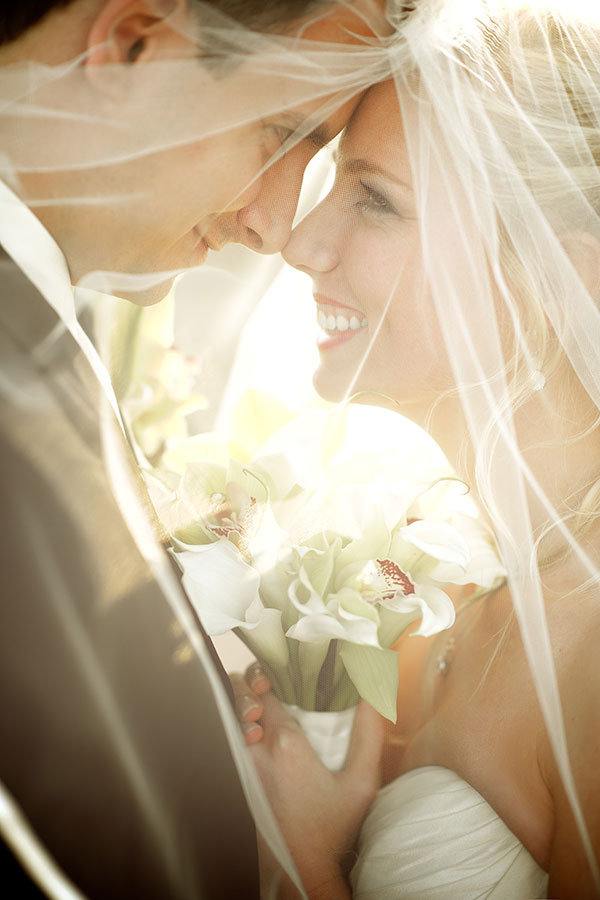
[[285, 83]]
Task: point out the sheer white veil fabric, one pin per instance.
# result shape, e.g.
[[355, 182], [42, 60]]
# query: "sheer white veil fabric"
[[500, 102], [62, 138], [500, 116]]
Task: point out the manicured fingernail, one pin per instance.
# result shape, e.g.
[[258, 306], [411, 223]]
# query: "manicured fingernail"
[[245, 705], [256, 672], [249, 727]]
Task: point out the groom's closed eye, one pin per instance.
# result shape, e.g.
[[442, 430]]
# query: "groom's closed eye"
[[300, 128]]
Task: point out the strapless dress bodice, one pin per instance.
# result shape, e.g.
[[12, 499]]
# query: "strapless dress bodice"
[[429, 835]]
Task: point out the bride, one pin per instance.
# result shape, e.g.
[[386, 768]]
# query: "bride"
[[456, 270]]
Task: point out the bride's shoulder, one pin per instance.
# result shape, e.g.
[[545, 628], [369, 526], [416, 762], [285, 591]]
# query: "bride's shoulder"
[[574, 629], [575, 637]]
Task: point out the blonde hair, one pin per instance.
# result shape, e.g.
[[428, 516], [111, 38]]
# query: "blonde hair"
[[572, 159]]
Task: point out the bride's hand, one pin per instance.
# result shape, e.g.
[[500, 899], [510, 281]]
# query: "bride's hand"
[[319, 812], [248, 690]]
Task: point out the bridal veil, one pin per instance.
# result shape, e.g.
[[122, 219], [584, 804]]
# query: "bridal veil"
[[500, 104]]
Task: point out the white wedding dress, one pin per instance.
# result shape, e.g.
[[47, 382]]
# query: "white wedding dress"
[[431, 836]]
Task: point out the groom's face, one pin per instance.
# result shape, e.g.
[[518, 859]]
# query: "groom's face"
[[207, 180]]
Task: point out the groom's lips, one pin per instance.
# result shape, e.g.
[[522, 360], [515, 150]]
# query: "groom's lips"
[[211, 241], [201, 247]]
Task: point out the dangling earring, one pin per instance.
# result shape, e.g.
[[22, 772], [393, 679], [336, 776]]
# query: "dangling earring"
[[537, 380]]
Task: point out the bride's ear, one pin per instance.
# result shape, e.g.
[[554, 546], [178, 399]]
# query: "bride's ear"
[[583, 249], [126, 32]]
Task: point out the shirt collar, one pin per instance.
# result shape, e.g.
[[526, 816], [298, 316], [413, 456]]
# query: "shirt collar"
[[40, 258]]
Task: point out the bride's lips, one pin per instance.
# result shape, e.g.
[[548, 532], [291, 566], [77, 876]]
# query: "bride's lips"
[[340, 323]]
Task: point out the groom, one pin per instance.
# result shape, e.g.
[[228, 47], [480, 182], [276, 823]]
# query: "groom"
[[116, 775]]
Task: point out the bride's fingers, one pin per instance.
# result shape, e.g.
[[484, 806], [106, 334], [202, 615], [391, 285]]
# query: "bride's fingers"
[[248, 705], [252, 732], [249, 691], [274, 716], [257, 679]]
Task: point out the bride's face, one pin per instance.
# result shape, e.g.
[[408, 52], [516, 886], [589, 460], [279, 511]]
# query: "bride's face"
[[361, 246]]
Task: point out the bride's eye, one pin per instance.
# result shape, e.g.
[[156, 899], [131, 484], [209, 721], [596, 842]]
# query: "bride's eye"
[[373, 201]]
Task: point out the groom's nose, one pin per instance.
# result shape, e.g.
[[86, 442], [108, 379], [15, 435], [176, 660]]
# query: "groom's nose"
[[265, 223]]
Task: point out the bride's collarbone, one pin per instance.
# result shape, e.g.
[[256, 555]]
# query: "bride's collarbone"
[[481, 719]]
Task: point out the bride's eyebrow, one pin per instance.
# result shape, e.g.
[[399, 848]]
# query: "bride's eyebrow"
[[358, 166]]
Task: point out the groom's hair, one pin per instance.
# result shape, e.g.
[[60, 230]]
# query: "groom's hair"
[[17, 17]]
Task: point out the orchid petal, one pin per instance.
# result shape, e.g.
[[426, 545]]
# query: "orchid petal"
[[350, 603], [437, 609], [200, 481]]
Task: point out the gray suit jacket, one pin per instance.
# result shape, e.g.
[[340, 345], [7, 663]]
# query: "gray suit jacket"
[[113, 749]]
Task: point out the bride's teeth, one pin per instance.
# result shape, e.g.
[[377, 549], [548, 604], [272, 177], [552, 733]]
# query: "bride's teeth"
[[330, 322]]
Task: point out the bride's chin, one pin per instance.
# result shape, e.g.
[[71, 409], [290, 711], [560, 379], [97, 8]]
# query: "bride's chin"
[[337, 386], [333, 386]]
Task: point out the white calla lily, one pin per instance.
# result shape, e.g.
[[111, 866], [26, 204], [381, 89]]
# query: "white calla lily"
[[438, 540], [224, 591], [221, 586], [484, 567]]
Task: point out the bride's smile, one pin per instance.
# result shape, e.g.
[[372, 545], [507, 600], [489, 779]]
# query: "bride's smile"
[[338, 321], [361, 246]]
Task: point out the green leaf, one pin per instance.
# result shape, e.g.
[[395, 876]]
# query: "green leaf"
[[200, 481], [374, 674], [192, 533]]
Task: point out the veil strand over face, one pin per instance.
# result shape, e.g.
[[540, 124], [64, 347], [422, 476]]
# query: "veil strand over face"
[[499, 103], [499, 110], [508, 209]]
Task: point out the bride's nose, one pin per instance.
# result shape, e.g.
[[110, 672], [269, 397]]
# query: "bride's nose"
[[312, 244]]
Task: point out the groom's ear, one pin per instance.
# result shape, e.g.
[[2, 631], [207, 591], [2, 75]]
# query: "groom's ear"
[[126, 32]]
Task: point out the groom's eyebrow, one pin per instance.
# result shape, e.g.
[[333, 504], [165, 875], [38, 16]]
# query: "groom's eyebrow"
[[318, 134]]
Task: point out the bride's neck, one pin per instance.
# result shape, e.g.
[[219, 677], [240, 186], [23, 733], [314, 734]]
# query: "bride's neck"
[[562, 458]]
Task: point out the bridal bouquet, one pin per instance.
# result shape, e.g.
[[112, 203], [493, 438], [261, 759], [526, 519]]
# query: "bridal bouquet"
[[319, 552]]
